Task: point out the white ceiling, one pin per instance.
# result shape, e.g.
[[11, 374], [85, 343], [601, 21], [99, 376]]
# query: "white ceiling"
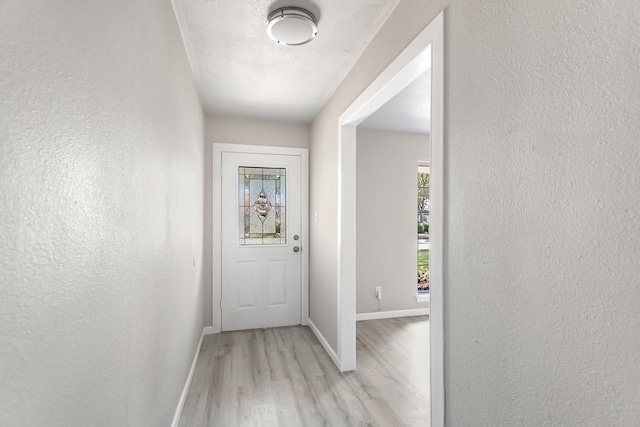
[[241, 72], [408, 111]]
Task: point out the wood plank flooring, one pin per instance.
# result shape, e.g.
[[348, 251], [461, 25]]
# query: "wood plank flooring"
[[283, 377]]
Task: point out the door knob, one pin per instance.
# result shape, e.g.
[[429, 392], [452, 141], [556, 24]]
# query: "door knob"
[[296, 249]]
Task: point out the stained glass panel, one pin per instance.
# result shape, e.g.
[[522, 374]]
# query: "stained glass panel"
[[262, 208]]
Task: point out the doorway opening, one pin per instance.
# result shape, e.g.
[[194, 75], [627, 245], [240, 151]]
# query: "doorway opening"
[[401, 72]]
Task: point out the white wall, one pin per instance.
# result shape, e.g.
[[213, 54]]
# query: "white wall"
[[542, 234], [542, 252], [234, 130], [101, 182], [386, 218], [408, 19]]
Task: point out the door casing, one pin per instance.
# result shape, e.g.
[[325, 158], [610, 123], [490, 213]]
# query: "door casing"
[[400, 73], [216, 261]]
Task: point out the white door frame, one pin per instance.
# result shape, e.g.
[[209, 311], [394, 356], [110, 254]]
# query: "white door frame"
[[216, 252], [399, 74]]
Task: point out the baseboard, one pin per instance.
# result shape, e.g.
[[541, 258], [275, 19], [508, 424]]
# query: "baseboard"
[[207, 330], [332, 354], [394, 313]]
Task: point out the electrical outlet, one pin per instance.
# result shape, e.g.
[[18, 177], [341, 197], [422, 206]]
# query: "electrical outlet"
[[379, 292]]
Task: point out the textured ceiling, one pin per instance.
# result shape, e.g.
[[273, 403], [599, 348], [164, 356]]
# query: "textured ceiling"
[[240, 71]]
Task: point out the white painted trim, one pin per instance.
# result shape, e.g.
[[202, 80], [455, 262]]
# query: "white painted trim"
[[392, 314], [208, 330], [346, 262], [437, 225], [399, 74], [216, 252], [332, 354], [304, 306]]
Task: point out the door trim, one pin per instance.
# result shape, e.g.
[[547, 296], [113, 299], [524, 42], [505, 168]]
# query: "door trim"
[[390, 82], [216, 229]]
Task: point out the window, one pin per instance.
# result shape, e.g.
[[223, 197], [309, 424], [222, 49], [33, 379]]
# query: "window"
[[262, 206], [423, 228]]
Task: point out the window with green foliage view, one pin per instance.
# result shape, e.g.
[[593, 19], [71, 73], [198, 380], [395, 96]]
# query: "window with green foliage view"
[[423, 229]]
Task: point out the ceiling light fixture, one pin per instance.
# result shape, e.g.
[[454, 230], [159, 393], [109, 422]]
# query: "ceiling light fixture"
[[292, 26]]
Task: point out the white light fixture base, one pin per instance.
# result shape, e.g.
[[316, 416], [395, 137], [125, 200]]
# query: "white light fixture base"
[[291, 26]]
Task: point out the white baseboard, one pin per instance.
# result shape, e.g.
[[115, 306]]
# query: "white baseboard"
[[390, 314], [207, 330], [332, 354]]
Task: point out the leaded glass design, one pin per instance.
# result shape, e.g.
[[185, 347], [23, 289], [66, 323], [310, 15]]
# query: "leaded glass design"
[[262, 206]]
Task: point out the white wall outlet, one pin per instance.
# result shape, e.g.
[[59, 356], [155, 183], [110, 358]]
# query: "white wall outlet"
[[379, 292]]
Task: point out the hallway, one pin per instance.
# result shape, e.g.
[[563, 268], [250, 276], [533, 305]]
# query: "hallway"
[[283, 377]]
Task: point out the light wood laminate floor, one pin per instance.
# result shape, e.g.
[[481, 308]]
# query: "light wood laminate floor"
[[283, 377]]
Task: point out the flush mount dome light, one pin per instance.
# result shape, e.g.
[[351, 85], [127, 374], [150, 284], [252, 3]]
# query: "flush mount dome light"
[[291, 26]]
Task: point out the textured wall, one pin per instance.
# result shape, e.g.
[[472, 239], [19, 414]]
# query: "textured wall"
[[542, 278], [407, 20], [235, 130], [101, 183], [386, 206]]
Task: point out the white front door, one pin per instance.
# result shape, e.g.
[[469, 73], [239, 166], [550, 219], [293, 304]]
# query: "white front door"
[[261, 251]]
